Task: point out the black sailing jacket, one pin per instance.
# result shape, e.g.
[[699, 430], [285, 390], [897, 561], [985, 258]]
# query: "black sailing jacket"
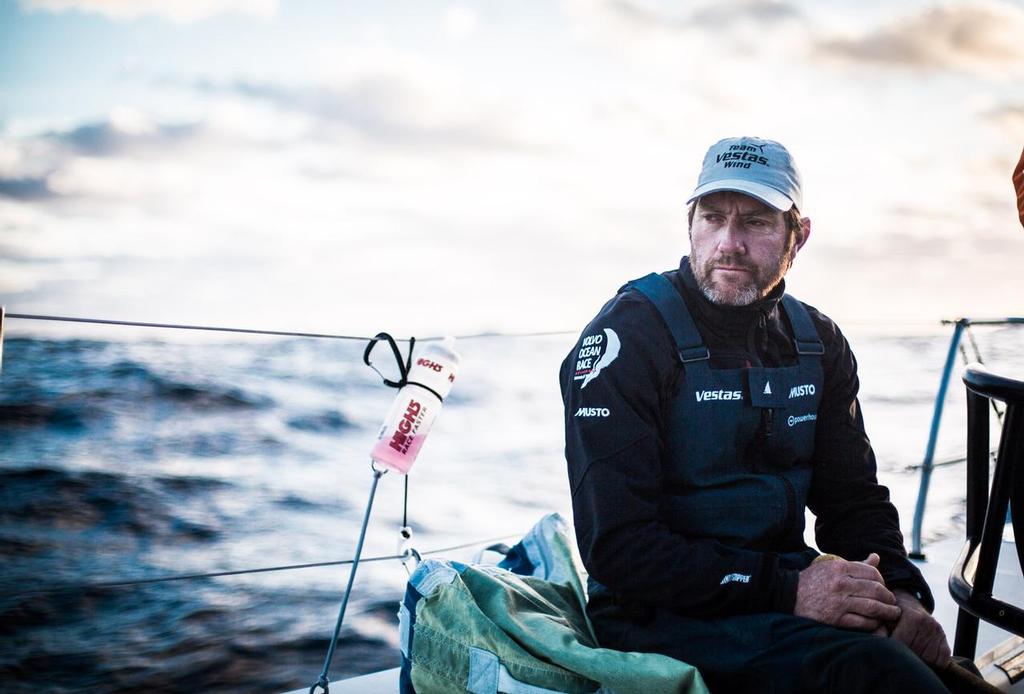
[[615, 446]]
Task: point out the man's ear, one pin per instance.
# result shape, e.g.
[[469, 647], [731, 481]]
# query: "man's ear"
[[802, 235]]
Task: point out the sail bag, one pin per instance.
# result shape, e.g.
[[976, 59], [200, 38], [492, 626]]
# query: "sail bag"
[[519, 628]]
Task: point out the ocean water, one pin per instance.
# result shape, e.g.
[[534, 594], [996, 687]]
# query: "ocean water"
[[152, 456]]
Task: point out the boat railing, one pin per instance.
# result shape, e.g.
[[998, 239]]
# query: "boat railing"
[[960, 326], [973, 577]]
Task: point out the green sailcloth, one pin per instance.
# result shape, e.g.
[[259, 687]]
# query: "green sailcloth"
[[487, 629]]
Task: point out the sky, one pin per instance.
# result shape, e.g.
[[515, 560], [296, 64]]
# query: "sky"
[[449, 167]]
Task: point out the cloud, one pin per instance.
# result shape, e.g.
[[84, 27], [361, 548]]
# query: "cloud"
[[628, 15], [459, 22], [25, 188], [1010, 118], [982, 37], [762, 12], [386, 108], [106, 138], [625, 17], [672, 41], [58, 163], [173, 10]]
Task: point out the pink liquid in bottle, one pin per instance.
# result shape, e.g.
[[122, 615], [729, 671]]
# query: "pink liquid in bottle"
[[416, 407]]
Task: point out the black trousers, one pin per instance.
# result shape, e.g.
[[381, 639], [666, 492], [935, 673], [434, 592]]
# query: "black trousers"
[[768, 653]]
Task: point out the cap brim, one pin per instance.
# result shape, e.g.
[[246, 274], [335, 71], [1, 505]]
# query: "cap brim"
[[769, 196]]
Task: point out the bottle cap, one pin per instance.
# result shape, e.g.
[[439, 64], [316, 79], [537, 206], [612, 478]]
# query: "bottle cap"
[[446, 348]]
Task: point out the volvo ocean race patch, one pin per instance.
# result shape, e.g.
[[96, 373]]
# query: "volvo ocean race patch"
[[596, 353]]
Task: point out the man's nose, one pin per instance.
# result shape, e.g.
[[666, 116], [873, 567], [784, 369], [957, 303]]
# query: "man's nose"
[[730, 239]]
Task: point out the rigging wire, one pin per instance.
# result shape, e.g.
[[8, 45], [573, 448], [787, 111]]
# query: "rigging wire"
[[977, 358], [278, 333], [323, 680], [100, 585], [955, 460]]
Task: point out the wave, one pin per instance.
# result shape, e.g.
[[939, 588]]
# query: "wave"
[[326, 421], [168, 639], [98, 502], [42, 414]]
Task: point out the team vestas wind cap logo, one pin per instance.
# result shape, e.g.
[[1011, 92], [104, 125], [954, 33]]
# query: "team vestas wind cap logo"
[[596, 352], [762, 169]]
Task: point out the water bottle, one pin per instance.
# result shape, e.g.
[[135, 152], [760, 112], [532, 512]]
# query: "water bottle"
[[416, 406]]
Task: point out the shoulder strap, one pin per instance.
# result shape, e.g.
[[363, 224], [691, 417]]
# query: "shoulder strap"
[[804, 335], [660, 291]]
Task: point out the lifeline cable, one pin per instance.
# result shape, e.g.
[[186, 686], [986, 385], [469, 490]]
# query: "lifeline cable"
[[182, 326], [127, 583], [279, 333]]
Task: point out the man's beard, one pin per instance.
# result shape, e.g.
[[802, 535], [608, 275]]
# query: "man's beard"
[[762, 279]]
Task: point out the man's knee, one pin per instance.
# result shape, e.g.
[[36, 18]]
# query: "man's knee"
[[877, 664]]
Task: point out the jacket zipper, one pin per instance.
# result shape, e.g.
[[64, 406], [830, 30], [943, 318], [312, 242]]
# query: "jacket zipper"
[[790, 506]]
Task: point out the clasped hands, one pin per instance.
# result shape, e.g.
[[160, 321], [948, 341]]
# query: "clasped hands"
[[852, 595]]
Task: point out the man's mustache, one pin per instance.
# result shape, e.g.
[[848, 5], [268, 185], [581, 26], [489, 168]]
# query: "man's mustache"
[[731, 260]]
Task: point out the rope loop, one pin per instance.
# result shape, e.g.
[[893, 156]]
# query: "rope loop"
[[322, 683], [408, 555], [406, 551], [403, 366]]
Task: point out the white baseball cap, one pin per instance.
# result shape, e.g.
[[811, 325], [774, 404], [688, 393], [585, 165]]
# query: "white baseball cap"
[[762, 169]]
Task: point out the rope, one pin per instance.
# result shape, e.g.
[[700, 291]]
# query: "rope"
[[405, 504], [99, 585], [279, 333]]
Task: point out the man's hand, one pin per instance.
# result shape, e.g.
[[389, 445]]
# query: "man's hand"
[[847, 594], [920, 631]]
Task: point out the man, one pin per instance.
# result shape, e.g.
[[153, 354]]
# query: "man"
[[1018, 187], [705, 410]]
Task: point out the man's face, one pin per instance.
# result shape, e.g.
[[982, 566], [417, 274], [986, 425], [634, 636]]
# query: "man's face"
[[740, 247]]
